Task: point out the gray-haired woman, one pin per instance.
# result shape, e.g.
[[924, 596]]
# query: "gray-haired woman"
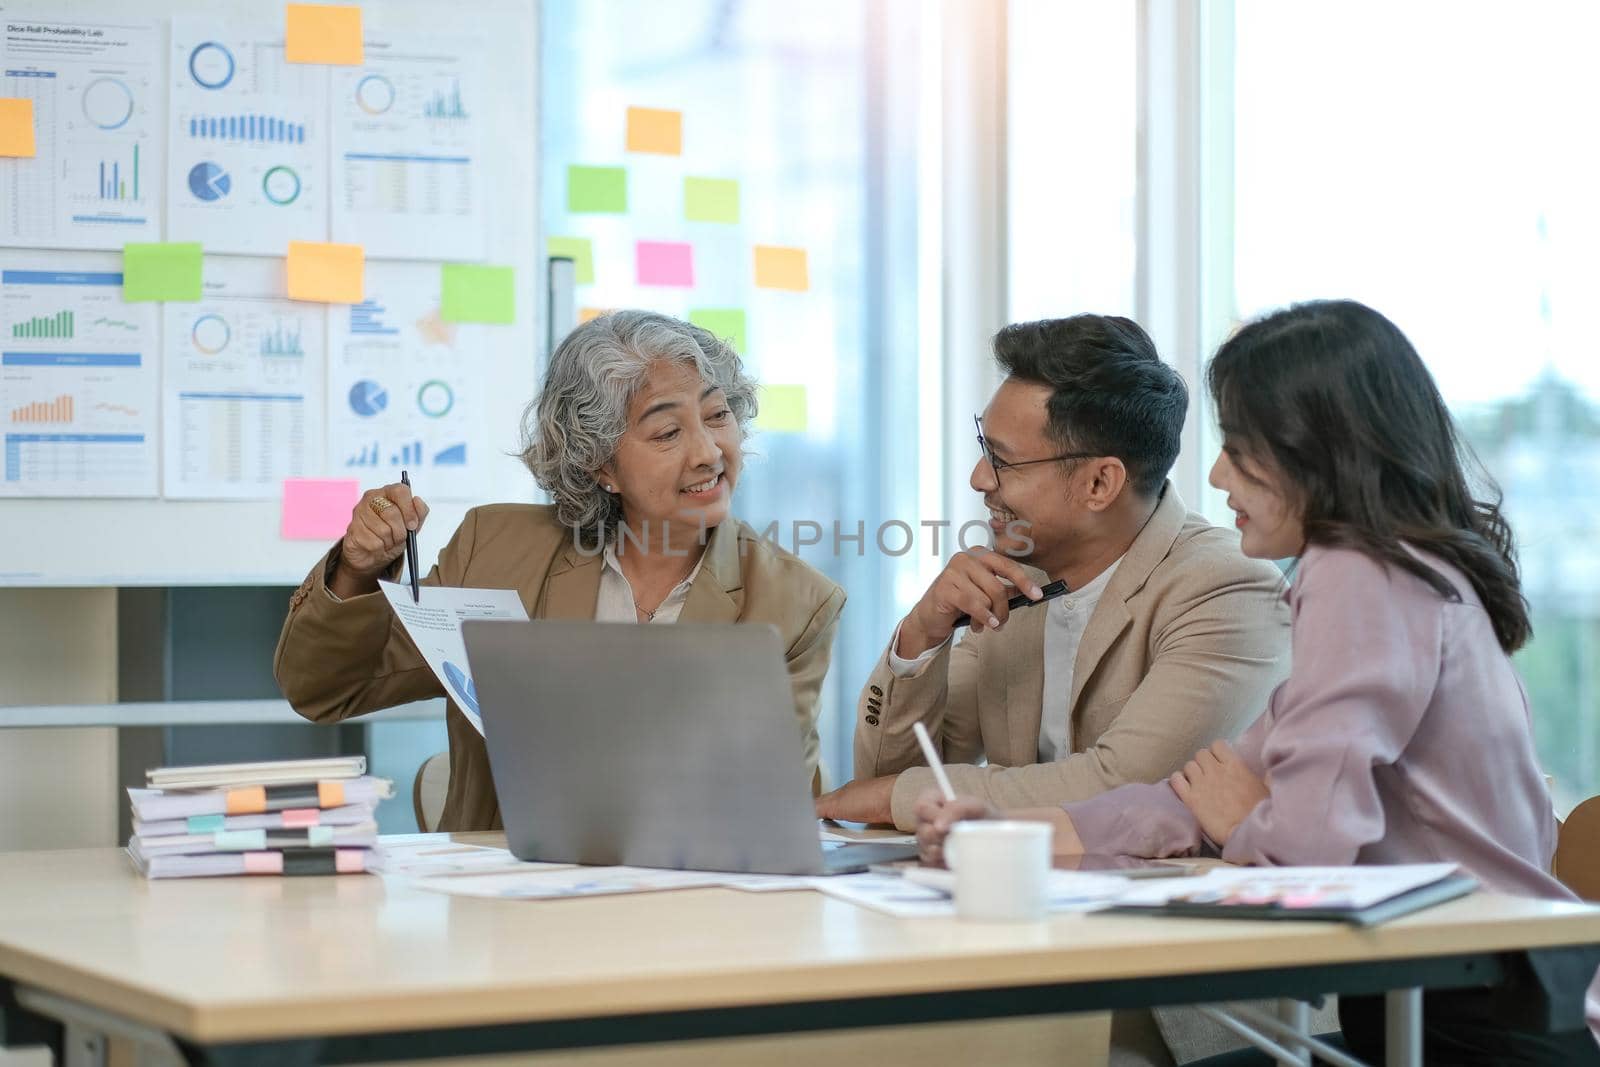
[[637, 434]]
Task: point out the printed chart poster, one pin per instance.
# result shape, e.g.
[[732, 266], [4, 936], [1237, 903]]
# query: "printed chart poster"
[[78, 379], [242, 394], [248, 142], [407, 149], [96, 180], [405, 389]]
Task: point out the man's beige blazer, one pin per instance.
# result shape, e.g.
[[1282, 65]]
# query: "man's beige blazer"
[[1187, 642], [336, 659]]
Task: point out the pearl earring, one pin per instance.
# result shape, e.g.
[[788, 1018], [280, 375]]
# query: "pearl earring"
[[611, 489]]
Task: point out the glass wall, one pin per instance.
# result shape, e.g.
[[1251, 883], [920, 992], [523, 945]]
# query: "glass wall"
[[1072, 152], [1439, 168], [751, 164]]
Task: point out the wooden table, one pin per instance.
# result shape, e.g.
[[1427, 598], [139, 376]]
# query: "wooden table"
[[359, 969]]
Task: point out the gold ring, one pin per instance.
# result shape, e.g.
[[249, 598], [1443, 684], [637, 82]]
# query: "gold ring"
[[380, 504]]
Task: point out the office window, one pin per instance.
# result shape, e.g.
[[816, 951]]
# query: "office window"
[[813, 112], [1439, 166], [1072, 106]]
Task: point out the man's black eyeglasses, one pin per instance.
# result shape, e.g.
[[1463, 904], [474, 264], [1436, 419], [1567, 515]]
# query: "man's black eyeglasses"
[[998, 464]]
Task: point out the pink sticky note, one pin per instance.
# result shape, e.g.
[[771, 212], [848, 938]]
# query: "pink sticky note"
[[318, 509], [665, 263]]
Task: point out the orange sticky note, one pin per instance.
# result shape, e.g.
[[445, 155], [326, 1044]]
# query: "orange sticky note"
[[323, 33], [652, 129], [585, 314], [333, 274], [781, 268], [16, 126]]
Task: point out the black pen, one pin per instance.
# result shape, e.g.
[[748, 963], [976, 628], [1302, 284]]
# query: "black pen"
[[411, 551], [1022, 600]]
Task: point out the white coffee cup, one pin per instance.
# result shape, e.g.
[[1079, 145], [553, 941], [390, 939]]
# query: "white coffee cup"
[[1002, 868]]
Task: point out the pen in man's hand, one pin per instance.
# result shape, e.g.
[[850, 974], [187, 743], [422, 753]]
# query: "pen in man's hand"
[[411, 551], [1021, 600]]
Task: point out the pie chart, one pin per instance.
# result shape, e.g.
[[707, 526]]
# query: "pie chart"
[[367, 398], [209, 181]]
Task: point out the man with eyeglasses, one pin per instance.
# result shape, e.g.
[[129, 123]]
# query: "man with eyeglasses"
[[1168, 639]]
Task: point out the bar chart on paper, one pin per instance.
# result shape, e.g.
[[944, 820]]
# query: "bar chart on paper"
[[95, 101], [407, 150], [403, 393], [243, 389], [77, 379]]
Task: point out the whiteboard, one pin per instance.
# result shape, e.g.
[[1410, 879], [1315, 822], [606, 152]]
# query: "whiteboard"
[[77, 541]]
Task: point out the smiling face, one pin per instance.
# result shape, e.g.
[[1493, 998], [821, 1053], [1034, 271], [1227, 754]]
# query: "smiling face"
[[1035, 494], [1270, 524], [679, 459]]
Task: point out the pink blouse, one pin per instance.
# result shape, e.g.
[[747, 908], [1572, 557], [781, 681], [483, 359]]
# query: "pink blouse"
[[1402, 735]]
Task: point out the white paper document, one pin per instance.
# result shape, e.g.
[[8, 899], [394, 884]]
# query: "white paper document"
[[548, 884], [434, 858], [242, 385], [95, 181], [248, 139], [927, 893], [408, 390], [1353, 887], [434, 626], [78, 378], [408, 132]]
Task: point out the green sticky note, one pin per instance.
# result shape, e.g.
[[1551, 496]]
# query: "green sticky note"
[[783, 408], [578, 249], [469, 292], [597, 190], [711, 200], [161, 271], [726, 323]]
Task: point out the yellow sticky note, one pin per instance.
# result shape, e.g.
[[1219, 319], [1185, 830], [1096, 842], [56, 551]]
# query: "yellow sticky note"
[[332, 274], [16, 127], [585, 314], [652, 129], [323, 33], [782, 408], [781, 268]]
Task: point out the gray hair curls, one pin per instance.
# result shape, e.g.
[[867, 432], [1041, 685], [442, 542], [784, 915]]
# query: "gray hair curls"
[[572, 427]]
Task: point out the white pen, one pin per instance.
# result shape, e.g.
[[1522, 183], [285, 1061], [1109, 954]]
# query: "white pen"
[[934, 764]]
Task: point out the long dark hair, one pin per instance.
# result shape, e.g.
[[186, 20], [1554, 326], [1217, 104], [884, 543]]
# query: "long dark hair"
[[1336, 398]]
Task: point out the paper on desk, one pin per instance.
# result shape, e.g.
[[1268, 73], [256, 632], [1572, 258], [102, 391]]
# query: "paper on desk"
[[434, 625], [549, 884], [905, 898], [1354, 887], [434, 858], [845, 835]]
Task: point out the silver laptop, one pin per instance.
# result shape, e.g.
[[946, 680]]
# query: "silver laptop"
[[653, 746]]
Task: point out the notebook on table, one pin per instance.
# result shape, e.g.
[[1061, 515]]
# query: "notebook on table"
[[218, 775], [1361, 896]]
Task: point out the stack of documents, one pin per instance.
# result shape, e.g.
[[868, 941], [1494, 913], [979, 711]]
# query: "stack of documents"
[[286, 817]]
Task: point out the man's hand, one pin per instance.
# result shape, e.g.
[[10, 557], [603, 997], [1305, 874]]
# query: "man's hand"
[[863, 800], [1219, 790], [973, 583]]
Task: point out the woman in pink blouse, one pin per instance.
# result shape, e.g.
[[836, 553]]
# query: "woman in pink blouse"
[[1403, 733]]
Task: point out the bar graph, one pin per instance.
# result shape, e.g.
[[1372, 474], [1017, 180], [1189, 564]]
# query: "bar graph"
[[57, 410], [409, 454], [367, 457], [278, 341], [440, 106], [118, 182], [57, 325], [263, 129]]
